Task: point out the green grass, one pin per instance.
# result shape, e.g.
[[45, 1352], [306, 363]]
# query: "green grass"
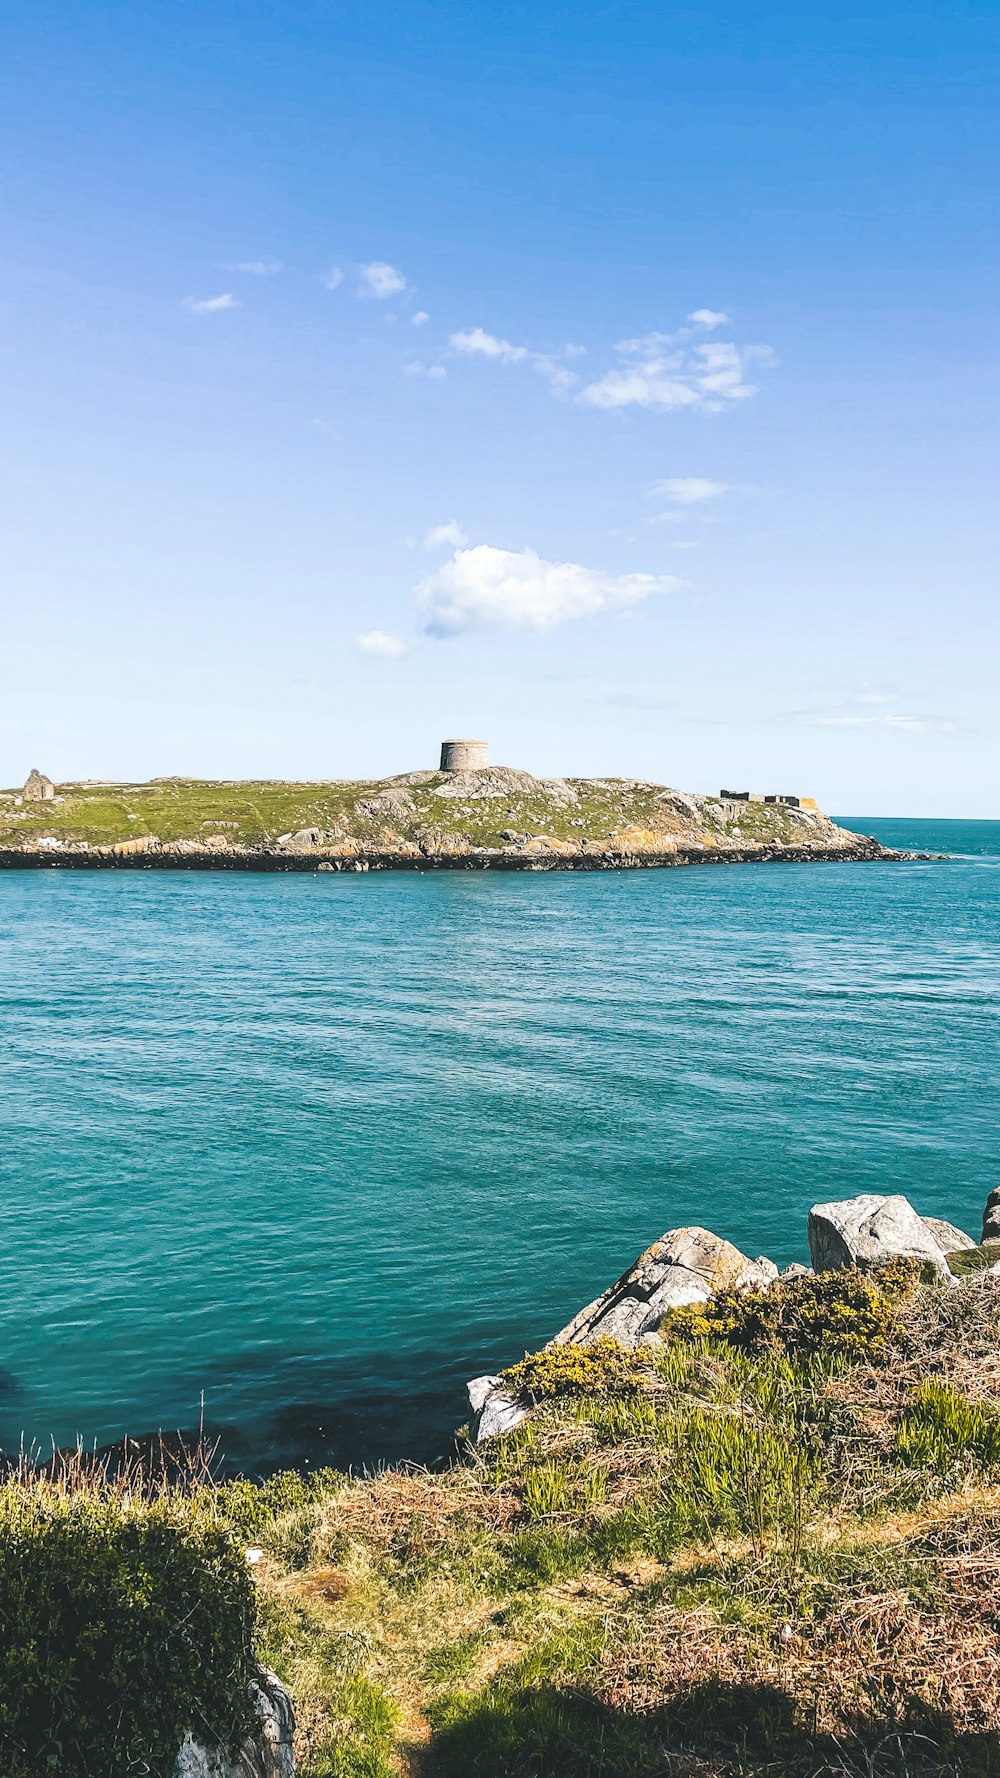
[[742, 1560]]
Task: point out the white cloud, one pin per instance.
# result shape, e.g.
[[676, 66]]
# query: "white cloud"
[[451, 534], [380, 280], [382, 645], [417, 368], [210, 305], [665, 371], [258, 268], [708, 318], [689, 490], [476, 342], [419, 318], [517, 589], [334, 278]]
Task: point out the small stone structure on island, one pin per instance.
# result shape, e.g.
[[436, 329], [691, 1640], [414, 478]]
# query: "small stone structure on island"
[[464, 756], [39, 789]]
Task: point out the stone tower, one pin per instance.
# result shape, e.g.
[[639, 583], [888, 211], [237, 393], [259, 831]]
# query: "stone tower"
[[464, 756]]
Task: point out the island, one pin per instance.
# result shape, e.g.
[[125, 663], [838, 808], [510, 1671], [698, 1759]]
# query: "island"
[[468, 814]]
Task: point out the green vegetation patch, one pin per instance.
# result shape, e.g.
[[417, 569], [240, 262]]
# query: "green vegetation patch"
[[973, 1259], [853, 1315], [603, 1367], [939, 1428], [122, 1625]]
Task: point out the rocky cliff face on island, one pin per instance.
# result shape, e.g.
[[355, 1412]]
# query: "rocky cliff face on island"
[[493, 816]]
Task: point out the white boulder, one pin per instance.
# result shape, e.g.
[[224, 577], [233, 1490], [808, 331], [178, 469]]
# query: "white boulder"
[[685, 1266], [866, 1230], [494, 1409]]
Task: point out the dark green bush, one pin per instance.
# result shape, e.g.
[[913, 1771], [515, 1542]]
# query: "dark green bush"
[[122, 1625]]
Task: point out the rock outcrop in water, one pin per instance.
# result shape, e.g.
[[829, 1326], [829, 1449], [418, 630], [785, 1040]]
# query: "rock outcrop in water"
[[495, 817]]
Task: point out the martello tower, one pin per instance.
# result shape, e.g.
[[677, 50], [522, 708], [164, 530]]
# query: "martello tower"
[[464, 756]]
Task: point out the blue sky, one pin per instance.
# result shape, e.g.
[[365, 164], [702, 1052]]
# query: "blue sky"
[[352, 395]]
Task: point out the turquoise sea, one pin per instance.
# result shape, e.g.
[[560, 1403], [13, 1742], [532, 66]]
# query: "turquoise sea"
[[318, 1148]]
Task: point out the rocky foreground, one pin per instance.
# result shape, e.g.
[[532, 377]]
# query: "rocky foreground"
[[729, 1523], [496, 817], [689, 1266]]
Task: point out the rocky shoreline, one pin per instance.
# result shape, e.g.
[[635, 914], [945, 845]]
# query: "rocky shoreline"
[[694, 1266], [267, 859]]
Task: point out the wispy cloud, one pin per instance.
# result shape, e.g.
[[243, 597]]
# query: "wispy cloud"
[[210, 305], [380, 280], [450, 534], [257, 268], [689, 490], [420, 318], [657, 370], [485, 587], [334, 278], [665, 371], [475, 342], [417, 368], [872, 708], [382, 644]]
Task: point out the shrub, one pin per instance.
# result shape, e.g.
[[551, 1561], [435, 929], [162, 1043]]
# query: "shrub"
[[850, 1314], [122, 1624], [603, 1367], [939, 1428]]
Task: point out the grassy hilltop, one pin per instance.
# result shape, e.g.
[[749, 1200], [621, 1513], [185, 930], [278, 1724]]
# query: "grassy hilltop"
[[495, 810], [767, 1548]]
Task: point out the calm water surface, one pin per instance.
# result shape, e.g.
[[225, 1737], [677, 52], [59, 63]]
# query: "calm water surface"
[[320, 1147]]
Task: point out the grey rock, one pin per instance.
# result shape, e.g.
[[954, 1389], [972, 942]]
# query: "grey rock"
[[38, 789], [796, 1270], [685, 1266], [991, 1217], [495, 1411], [489, 782], [866, 1230], [947, 1236], [270, 1751], [680, 804], [388, 805]]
